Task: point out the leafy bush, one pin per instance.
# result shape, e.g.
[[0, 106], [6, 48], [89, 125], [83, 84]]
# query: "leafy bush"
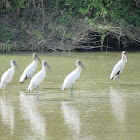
[[62, 20]]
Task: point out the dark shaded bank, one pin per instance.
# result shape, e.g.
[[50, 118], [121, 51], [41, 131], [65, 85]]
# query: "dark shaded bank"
[[84, 37], [60, 25]]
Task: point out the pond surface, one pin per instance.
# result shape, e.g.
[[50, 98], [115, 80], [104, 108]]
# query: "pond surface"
[[100, 109]]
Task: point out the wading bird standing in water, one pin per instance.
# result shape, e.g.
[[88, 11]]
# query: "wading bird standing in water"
[[118, 67], [39, 77], [72, 77], [29, 71], [8, 75]]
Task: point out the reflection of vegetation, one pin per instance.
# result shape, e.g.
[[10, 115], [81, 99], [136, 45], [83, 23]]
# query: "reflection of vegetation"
[[68, 24]]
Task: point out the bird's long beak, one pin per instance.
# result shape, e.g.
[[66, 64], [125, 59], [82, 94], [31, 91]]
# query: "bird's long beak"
[[17, 66], [83, 66], [48, 66], [125, 58], [38, 59]]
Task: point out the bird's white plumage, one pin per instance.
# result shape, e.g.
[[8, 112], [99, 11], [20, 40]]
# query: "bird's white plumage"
[[29, 71], [71, 78], [118, 67], [7, 77], [37, 79]]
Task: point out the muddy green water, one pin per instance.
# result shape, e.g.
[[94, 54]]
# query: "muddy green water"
[[99, 110]]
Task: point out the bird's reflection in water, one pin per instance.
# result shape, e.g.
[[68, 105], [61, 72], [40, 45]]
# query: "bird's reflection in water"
[[7, 114], [118, 106], [71, 118], [29, 110]]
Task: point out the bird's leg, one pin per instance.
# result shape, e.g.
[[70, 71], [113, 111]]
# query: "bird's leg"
[[72, 91], [27, 82], [37, 92], [9, 88], [4, 90], [118, 78]]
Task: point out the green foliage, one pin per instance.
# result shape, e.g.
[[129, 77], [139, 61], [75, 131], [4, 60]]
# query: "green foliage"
[[99, 9], [33, 16], [6, 34], [103, 9], [7, 46]]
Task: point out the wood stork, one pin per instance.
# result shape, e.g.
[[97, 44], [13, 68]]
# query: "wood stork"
[[118, 67], [39, 77], [29, 71], [72, 77], [8, 75]]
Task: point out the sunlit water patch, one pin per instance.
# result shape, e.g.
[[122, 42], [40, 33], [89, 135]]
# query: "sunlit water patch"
[[99, 110], [35, 122], [72, 119], [7, 114]]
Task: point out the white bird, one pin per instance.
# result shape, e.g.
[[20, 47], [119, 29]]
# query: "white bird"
[[8, 75], [118, 67], [72, 77], [39, 77], [29, 71]]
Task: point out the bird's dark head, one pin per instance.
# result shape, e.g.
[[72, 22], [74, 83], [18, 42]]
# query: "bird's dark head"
[[79, 63], [35, 56], [124, 52], [124, 56], [45, 64], [13, 64]]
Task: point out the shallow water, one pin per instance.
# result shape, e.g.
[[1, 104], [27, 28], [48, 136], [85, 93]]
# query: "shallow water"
[[99, 110]]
